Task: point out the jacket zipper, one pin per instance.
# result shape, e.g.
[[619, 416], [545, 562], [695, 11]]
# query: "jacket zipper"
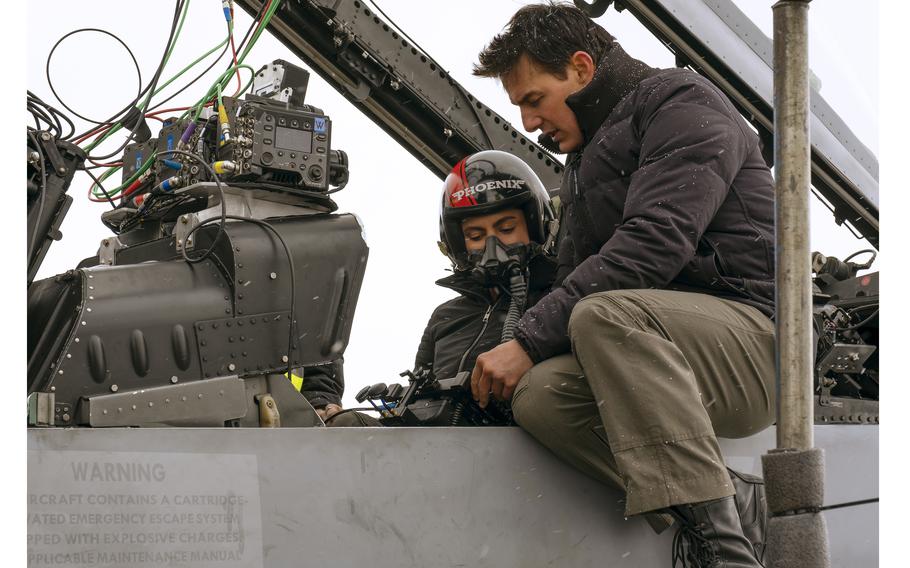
[[573, 169], [486, 319], [575, 183]]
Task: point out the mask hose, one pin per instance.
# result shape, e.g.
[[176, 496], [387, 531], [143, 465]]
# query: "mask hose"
[[518, 289]]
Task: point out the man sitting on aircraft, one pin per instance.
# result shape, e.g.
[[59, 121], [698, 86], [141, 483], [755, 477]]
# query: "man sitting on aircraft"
[[495, 212], [657, 338]]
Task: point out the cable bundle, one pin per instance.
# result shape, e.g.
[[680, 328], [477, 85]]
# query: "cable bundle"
[[143, 106]]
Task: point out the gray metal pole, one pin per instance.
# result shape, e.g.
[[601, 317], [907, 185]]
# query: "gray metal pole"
[[794, 283], [795, 472]]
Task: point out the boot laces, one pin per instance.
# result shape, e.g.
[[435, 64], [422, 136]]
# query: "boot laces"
[[691, 549]]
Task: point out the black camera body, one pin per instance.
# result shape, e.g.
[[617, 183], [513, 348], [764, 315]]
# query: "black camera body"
[[271, 141]]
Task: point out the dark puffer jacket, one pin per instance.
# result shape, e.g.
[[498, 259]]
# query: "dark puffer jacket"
[[669, 191], [464, 327], [458, 331], [323, 384]]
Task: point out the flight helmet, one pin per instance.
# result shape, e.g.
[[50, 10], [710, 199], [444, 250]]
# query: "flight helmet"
[[487, 182]]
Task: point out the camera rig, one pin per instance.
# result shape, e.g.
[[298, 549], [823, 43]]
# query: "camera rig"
[[227, 273]]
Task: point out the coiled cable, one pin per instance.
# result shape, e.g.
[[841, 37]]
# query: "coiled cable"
[[518, 290]]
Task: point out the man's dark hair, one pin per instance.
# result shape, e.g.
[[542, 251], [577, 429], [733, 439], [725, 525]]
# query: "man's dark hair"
[[549, 34]]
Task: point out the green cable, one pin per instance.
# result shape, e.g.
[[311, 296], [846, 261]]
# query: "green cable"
[[144, 104], [265, 22], [197, 109], [116, 192], [170, 51], [191, 65], [225, 77]]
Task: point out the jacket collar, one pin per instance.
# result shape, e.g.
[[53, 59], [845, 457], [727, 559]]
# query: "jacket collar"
[[542, 269], [617, 75], [462, 283]]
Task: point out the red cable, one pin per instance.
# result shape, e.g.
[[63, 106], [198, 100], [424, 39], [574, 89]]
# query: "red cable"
[[109, 165], [133, 187], [94, 199], [92, 133], [234, 55], [164, 110], [153, 115]]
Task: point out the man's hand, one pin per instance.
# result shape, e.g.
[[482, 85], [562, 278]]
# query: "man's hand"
[[498, 371], [328, 411]]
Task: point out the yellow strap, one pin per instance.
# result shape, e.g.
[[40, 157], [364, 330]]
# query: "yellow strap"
[[296, 381]]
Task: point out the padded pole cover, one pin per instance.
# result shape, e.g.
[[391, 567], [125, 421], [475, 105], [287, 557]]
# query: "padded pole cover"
[[794, 480], [797, 541]]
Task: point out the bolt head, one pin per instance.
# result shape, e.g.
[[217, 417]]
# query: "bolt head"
[[231, 367], [114, 388], [273, 275], [174, 380], [284, 358]]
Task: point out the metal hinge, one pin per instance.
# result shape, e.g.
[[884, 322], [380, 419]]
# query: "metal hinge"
[[41, 409]]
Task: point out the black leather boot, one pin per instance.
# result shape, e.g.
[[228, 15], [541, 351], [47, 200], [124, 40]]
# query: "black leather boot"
[[710, 535], [753, 509]]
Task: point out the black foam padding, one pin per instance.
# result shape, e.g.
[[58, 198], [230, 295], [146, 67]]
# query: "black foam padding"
[[797, 541], [794, 480]]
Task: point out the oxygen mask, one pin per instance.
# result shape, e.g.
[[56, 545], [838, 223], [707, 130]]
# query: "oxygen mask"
[[496, 263]]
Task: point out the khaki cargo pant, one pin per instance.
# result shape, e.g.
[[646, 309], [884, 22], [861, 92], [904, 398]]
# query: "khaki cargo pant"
[[653, 377]]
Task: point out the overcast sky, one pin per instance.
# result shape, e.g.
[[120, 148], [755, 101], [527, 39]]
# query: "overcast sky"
[[94, 75]]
